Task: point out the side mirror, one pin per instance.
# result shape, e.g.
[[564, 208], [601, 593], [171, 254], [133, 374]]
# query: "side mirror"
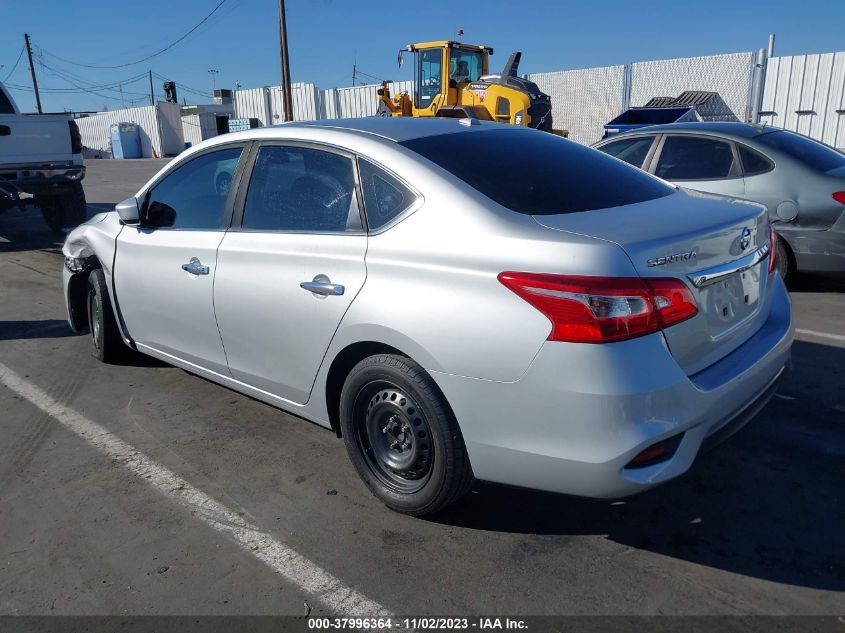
[[128, 211]]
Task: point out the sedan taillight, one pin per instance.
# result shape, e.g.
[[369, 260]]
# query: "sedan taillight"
[[603, 309], [773, 249], [839, 196]]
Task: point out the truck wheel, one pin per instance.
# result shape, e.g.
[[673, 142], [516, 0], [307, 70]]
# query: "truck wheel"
[[106, 342], [64, 211], [402, 437]]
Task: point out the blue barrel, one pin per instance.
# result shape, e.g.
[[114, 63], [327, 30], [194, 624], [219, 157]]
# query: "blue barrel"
[[125, 140]]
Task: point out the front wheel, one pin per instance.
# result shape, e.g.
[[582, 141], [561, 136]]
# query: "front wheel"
[[402, 437], [106, 343]]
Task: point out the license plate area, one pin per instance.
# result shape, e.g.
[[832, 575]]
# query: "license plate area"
[[731, 301]]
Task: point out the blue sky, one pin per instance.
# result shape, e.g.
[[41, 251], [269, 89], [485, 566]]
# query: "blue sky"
[[328, 36]]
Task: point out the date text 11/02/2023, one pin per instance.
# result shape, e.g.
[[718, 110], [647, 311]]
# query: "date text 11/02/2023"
[[417, 623]]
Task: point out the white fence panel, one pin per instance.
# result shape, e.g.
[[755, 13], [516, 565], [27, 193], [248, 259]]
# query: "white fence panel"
[[806, 94], [253, 103], [305, 98], [170, 127], [730, 75], [584, 100], [96, 129]]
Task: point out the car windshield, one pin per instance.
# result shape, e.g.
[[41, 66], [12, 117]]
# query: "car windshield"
[[538, 173], [811, 153]]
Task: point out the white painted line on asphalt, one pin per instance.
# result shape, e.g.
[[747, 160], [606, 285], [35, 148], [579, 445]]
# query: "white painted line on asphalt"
[[832, 337], [340, 599]]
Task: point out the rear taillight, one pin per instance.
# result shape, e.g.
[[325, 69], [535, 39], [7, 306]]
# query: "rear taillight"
[[773, 249], [603, 309], [839, 196], [75, 138]]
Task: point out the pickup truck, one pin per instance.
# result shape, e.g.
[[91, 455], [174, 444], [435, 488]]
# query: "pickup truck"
[[41, 162]]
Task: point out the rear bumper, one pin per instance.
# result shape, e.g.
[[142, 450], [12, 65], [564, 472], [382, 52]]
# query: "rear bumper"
[[579, 415], [40, 179]]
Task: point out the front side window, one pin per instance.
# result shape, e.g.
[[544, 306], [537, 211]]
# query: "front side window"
[[753, 163], [191, 196], [430, 76], [385, 196], [806, 150], [465, 66], [301, 189], [537, 173], [632, 150], [695, 158]]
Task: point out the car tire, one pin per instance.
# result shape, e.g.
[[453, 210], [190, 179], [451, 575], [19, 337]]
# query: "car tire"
[[65, 211], [786, 262], [106, 343], [402, 437]]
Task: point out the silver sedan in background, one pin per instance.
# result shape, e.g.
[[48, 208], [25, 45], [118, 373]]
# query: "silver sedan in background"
[[799, 180], [458, 300]]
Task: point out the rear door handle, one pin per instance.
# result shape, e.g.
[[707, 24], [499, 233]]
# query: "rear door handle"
[[195, 267], [322, 285], [5, 130]]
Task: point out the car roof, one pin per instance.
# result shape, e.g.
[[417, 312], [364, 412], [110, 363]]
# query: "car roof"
[[723, 128], [395, 128]]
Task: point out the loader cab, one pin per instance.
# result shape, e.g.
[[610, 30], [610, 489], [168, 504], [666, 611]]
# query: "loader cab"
[[442, 69]]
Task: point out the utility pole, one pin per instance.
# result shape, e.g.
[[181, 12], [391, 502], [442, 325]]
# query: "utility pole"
[[32, 71], [287, 99], [152, 97]]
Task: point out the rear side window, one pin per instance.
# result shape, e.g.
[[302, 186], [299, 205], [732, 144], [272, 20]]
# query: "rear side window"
[[385, 197], [695, 158], [301, 189], [806, 150], [753, 163], [193, 196], [538, 173], [5, 103], [631, 150]]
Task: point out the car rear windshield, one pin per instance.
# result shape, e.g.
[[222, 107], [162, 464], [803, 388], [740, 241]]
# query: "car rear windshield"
[[811, 153], [538, 173]]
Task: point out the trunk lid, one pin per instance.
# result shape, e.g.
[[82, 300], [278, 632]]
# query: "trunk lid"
[[716, 245]]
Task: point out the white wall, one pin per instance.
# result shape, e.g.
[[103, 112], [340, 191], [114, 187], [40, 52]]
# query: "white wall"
[[160, 127], [806, 94]]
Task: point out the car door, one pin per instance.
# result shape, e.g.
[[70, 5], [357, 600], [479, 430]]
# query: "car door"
[[164, 267], [634, 150], [290, 267], [704, 163]]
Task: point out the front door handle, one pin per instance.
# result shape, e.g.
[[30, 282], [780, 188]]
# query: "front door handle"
[[322, 285], [195, 267]]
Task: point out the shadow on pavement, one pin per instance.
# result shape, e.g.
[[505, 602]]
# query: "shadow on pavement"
[[807, 282], [22, 330], [769, 503]]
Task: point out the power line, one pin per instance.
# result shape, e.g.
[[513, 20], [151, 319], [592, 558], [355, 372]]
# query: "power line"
[[148, 57], [18, 61]]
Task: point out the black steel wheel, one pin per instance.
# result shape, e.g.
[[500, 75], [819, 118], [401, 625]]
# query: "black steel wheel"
[[402, 437], [106, 343], [394, 437]]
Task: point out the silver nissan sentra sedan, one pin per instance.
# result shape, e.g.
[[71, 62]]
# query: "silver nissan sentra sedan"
[[458, 300]]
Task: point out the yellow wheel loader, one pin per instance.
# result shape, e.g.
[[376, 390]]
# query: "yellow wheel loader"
[[453, 80]]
